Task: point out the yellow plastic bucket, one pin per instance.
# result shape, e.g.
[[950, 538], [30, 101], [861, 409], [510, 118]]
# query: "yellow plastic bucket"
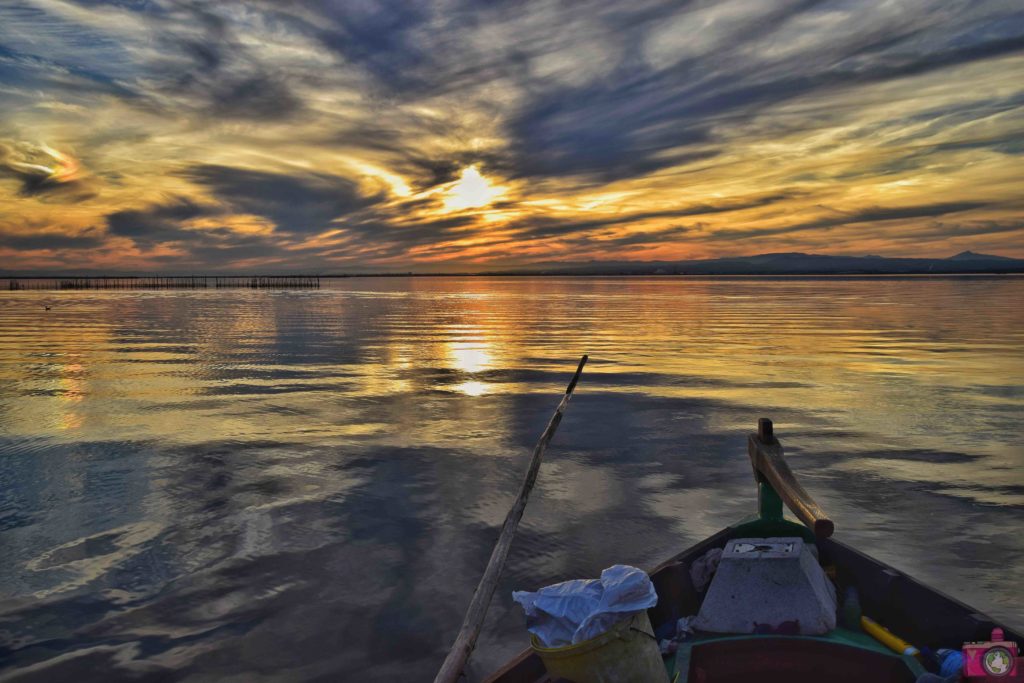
[[625, 653]]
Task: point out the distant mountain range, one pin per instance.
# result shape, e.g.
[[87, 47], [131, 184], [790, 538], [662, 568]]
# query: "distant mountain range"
[[792, 263]]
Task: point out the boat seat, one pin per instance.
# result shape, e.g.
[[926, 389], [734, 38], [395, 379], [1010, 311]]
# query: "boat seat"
[[840, 657]]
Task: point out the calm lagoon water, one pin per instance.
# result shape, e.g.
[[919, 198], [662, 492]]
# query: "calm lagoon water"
[[305, 485]]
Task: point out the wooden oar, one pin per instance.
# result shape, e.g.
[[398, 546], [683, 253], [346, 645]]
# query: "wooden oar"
[[466, 640]]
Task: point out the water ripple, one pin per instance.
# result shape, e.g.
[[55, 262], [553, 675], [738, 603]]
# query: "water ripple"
[[306, 485]]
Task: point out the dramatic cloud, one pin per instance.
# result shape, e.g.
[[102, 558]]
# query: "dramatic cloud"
[[296, 202], [155, 224], [42, 170], [379, 134], [51, 240]]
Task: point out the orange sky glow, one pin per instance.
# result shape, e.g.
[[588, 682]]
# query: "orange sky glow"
[[335, 137]]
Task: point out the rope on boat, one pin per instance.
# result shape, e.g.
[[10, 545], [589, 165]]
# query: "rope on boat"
[[466, 640]]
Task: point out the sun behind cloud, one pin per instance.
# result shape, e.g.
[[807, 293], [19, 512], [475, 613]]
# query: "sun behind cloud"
[[472, 190]]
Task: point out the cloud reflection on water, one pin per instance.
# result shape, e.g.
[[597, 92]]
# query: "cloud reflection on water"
[[320, 475]]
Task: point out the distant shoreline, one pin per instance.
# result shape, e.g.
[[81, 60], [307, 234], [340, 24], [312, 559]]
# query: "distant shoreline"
[[690, 276], [786, 264]]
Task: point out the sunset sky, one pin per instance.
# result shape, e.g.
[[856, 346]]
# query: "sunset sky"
[[340, 135]]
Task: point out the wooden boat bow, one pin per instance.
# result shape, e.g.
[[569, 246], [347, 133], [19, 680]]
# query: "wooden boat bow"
[[916, 613], [777, 484]]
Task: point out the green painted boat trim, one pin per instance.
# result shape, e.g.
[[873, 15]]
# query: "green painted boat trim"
[[769, 521]]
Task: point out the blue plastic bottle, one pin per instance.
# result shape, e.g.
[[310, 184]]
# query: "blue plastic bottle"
[[950, 662]]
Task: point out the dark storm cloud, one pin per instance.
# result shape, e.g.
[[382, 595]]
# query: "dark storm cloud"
[[163, 224], [156, 224], [221, 76], [384, 233], [296, 203], [228, 79], [623, 126], [33, 182], [300, 207], [379, 36], [227, 251], [198, 66], [638, 239], [82, 63], [410, 50], [943, 230], [871, 215], [50, 240], [48, 190], [255, 97], [431, 172], [544, 227], [375, 231], [434, 172], [639, 116], [877, 214]]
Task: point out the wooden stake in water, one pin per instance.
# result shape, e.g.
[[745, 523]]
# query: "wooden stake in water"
[[466, 640]]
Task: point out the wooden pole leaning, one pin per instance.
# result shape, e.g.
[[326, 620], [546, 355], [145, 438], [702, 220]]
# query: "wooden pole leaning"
[[471, 624]]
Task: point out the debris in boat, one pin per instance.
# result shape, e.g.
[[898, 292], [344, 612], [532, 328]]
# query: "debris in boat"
[[703, 568], [950, 662], [573, 611], [765, 585], [684, 627], [683, 632]]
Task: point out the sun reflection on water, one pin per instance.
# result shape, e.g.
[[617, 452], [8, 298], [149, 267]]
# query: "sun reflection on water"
[[470, 356], [72, 392], [472, 388]]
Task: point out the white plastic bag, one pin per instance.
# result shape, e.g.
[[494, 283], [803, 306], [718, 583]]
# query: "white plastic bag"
[[573, 611]]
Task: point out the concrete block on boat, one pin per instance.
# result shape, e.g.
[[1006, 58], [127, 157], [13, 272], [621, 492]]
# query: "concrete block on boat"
[[768, 585]]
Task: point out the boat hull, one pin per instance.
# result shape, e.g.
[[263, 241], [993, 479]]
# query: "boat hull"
[[917, 613]]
